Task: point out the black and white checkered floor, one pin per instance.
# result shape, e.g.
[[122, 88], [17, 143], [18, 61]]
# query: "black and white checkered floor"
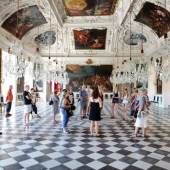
[[43, 146]]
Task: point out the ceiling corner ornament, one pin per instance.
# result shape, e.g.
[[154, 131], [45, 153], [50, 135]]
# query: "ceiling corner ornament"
[[89, 61], [46, 38]]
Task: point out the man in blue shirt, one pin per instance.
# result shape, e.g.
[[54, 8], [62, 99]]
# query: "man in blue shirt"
[[83, 102]]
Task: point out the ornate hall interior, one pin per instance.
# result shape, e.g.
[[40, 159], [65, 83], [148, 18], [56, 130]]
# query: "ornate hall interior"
[[115, 45]]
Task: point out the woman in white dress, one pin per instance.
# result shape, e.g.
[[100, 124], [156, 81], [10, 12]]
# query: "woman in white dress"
[[142, 116], [125, 103]]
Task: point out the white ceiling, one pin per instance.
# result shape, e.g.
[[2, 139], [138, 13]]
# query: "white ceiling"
[[117, 25]]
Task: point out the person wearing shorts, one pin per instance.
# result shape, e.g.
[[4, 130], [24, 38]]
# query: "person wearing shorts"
[[115, 101], [27, 104]]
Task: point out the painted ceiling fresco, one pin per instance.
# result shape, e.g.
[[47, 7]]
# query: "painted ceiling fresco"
[[23, 21], [90, 38], [46, 38], [90, 75], [89, 7], [156, 17], [134, 38]]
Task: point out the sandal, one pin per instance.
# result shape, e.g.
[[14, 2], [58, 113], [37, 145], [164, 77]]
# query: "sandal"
[[97, 135]]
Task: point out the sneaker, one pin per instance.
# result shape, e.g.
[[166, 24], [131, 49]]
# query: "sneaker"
[[112, 117], [65, 131], [91, 134], [97, 135], [8, 115], [38, 116]]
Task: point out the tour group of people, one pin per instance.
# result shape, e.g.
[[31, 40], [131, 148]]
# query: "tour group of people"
[[29, 99], [137, 104], [91, 104]]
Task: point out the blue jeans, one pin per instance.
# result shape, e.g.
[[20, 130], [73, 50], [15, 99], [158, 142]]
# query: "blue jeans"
[[64, 118]]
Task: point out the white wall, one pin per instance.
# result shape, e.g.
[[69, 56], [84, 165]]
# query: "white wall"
[[166, 93], [8, 79], [28, 76], [151, 83]]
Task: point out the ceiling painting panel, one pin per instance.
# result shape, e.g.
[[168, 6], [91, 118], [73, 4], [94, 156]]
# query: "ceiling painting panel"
[[89, 7], [23, 21], [156, 17], [90, 39]]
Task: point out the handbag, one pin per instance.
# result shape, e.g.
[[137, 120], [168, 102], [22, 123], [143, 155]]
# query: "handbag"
[[69, 112], [51, 102], [139, 114], [120, 100], [73, 107]]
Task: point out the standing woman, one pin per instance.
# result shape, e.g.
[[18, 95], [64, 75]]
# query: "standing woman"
[[55, 99], [142, 115], [95, 105], [125, 104], [115, 101], [64, 108]]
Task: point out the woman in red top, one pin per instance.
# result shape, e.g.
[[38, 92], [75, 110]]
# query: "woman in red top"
[[9, 99]]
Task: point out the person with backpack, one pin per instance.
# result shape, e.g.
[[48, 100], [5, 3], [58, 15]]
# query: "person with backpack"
[[33, 102]]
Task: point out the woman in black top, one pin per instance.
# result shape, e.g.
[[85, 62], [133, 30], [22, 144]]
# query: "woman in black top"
[[95, 105], [115, 101]]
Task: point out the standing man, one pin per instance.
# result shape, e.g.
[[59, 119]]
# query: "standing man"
[[83, 102], [27, 104], [9, 99], [89, 92], [34, 100]]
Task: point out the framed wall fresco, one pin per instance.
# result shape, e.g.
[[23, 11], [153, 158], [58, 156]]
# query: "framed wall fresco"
[[89, 7], [28, 18], [156, 17], [90, 39], [90, 75]]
